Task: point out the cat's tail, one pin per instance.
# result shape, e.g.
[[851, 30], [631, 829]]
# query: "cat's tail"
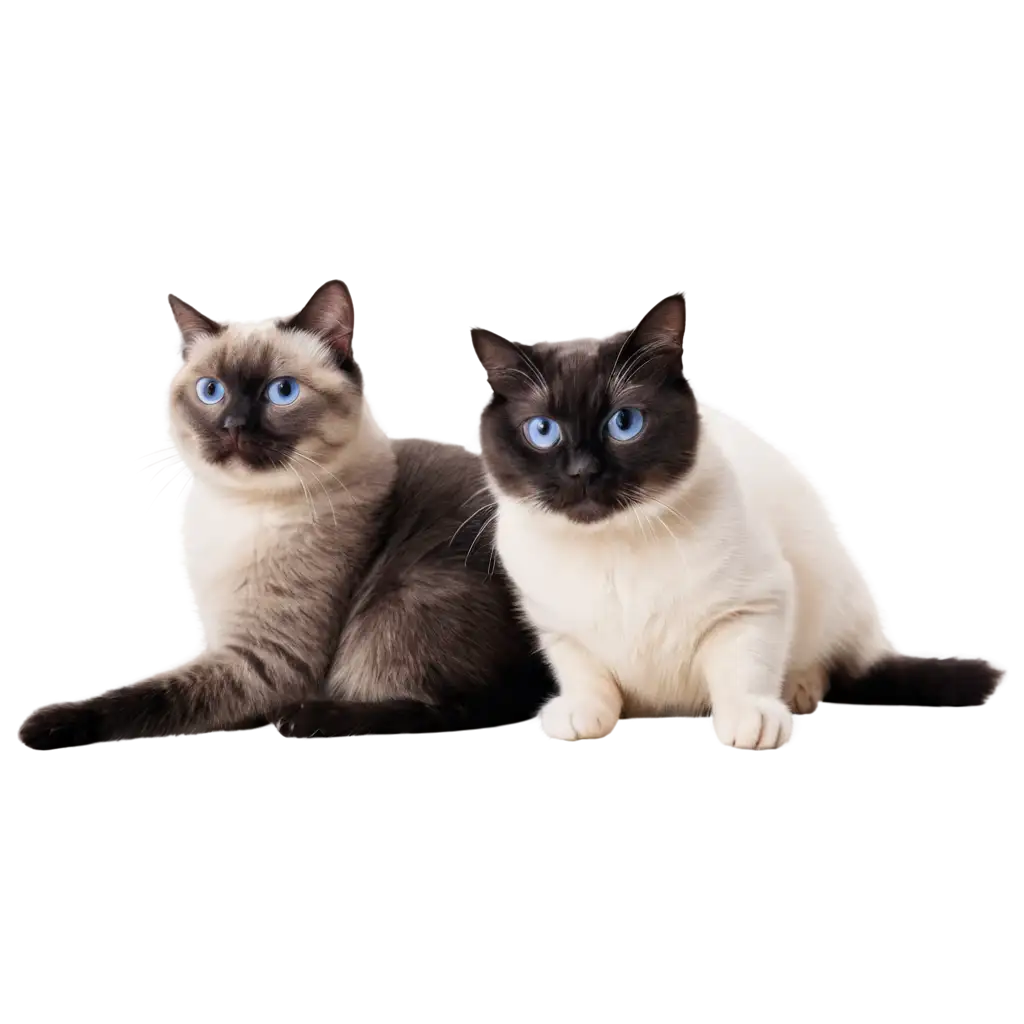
[[931, 682]]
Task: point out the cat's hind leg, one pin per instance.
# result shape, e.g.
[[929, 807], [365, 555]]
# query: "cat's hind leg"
[[804, 689], [222, 688], [430, 648]]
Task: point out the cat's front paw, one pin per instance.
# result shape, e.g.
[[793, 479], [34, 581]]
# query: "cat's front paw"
[[566, 718], [293, 723], [60, 725], [312, 720], [753, 723]]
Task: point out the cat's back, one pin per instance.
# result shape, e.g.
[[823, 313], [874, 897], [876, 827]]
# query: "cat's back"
[[760, 468], [831, 592], [439, 503], [775, 492], [430, 472]]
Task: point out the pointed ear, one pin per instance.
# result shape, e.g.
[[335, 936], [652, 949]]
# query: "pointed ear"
[[191, 322], [655, 347], [663, 325], [329, 315], [496, 353], [510, 370]]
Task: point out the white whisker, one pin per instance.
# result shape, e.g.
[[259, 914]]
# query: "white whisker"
[[633, 365], [533, 366], [341, 483], [479, 490], [305, 491], [326, 494], [618, 355], [487, 522], [482, 508], [538, 389]]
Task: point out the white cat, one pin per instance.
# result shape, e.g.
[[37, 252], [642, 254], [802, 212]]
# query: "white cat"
[[671, 561]]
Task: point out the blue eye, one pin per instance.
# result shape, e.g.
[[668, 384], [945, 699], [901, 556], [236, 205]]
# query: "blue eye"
[[210, 390], [625, 424], [283, 390], [542, 433]]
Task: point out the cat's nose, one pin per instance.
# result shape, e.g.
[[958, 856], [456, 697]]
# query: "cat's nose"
[[582, 466], [232, 425]]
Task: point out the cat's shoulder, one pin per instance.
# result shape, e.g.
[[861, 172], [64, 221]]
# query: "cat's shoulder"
[[424, 458], [742, 447], [437, 468]]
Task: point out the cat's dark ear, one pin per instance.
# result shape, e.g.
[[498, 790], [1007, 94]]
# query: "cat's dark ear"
[[191, 322], [510, 370], [659, 336], [329, 315]]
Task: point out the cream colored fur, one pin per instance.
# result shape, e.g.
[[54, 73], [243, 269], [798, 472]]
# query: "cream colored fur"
[[731, 594], [240, 524]]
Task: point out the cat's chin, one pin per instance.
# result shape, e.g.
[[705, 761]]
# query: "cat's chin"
[[236, 474], [587, 513], [249, 458]]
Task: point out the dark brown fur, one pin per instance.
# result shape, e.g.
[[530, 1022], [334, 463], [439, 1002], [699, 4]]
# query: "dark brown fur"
[[927, 682], [385, 611], [589, 476]]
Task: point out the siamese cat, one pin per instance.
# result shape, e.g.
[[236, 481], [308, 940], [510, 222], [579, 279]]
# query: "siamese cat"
[[672, 562], [346, 582]]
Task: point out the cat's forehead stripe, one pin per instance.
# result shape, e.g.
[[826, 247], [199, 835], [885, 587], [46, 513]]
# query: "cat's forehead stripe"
[[251, 361]]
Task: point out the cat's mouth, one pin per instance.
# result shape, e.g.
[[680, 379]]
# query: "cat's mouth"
[[240, 449], [586, 511]]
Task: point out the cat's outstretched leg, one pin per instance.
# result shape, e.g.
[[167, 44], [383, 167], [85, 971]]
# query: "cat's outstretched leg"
[[742, 662], [589, 702], [219, 689]]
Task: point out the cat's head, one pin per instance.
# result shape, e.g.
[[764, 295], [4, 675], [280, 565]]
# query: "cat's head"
[[253, 401], [589, 429]]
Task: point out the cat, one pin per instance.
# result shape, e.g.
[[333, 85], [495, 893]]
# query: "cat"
[[346, 583], [672, 562]]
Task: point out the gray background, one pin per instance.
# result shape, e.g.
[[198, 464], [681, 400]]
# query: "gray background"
[[260, 150]]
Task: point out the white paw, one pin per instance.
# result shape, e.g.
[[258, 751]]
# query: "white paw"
[[753, 723], [567, 718]]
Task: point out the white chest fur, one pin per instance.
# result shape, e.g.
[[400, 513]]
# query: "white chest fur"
[[639, 598], [225, 539], [640, 592]]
